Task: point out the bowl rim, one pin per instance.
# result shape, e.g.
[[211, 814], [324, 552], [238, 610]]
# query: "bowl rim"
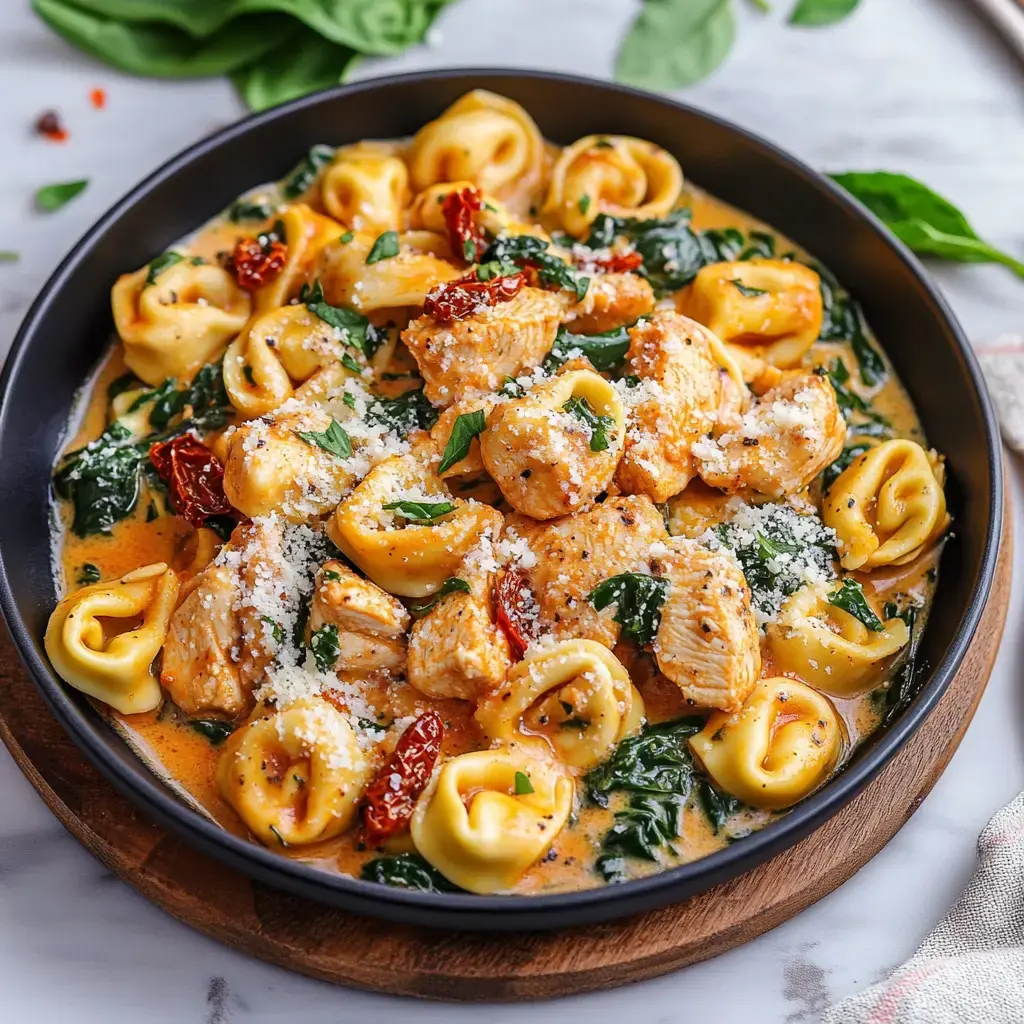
[[146, 789]]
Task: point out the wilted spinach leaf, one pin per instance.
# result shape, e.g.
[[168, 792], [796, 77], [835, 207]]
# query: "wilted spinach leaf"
[[606, 352], [406, 871], [639, 598], [408, 412]]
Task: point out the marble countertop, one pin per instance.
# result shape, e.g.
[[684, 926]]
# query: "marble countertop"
[[921, 86]]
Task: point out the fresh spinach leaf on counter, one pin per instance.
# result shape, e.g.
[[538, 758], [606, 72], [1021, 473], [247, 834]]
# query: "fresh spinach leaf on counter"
[[214, 729], [52, 197], [406, 871], [851, 599], [464, 429], [606, 352], [639, 598], [405, 413], [813, 13], [922, 219]]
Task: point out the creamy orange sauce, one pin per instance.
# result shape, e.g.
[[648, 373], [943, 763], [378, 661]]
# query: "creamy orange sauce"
[[180, 752]]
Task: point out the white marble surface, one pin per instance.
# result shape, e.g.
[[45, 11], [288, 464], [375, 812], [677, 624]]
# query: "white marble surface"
[[915, 85]]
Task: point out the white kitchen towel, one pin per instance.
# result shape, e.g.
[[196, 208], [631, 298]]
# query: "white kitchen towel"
[[970, 970], [1002, 360]]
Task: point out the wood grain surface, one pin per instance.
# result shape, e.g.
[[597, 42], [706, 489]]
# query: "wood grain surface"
[[339, 947]]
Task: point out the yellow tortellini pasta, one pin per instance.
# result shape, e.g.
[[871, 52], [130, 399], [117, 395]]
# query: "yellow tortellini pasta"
[[576, 694], [554, 450], [114, 667], [779, 747], [423, 261], [401, 556], [294, 775], [306, 232], [829, 647], [172, 321], [287, 344], [488, 815], [612, 174], [887, 506], [366, 191], [766, 311], [483, 138]]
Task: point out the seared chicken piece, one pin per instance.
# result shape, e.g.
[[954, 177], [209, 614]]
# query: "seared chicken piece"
[[478, 353], [576, 553], [707, 643], [457, 649], [786, 439], [371, 623], [612, 300], [218, 644], [673, 407]]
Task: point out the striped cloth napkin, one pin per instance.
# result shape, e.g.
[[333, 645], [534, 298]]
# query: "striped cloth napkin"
[[970, 970]]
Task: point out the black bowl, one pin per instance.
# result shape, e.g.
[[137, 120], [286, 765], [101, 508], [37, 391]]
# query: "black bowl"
[[68, 328]]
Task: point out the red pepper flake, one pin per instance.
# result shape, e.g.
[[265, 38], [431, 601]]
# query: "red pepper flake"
[[257, 264], [98, 98], [195, 478], [391, 797], [456, 300], [458, 209], [48, 124], [614, 263], [512, 597]]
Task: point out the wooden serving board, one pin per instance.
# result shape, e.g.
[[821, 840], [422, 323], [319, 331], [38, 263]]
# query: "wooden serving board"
[[339, 947]]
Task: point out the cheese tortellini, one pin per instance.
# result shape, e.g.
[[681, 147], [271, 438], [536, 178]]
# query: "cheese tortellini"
[[174, 320], [294, 775], [576, 694], [489, 814], [111, 666], [402, 556], [615, 175], [483, 138], [776, 749], [366, 190], [887, 506], [829, 647], [555, 449]]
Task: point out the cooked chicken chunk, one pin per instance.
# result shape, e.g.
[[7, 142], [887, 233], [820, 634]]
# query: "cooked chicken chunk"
[[478, 353], [371, 623], [219, 643], [612, 300], [707, 643], [576, 553], [457, 649], [786, 439], [673, 407]]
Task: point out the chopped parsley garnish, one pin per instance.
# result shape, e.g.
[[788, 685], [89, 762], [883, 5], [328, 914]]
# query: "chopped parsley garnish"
[[639, 598], [583, 204], [347, 237], [330, 575], [333, 440]]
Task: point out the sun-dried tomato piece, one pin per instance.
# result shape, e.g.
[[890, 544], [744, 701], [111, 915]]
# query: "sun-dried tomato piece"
[[392, 795], [458, 209], [194, 476], [513, 599], [461, 298], [615, 262], [257, 263]]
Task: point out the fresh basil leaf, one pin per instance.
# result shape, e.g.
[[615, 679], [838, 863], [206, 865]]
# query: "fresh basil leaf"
[[301, 179], [606, 352], [157, 266], [354, 326], [214, 729], [675, 43], [639, 598], [325, 647], [523, 785], [89, 573], [385, 247], [464, 429], [409, 411], [922, 219], [420, 511], [333, 440], [746, 291], [599, 426], [812, 13], [850, 598], [242, 210], [52, 197], [452, 585], [406, 871]]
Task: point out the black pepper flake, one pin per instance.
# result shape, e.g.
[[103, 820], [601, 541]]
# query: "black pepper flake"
[[750, 442]]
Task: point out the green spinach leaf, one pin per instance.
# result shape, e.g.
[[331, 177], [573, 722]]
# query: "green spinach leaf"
[[301, 179], [333, 440], [599, 426], [406, 871], [158, 265], [324, 645], [851, 599], [639, 598], [420, 511], [214, 729], [812, 13], [385, 247], [464, 429], [520, 250], [452, 585], [606, 352], [717, 805], [53, 197], [407, 412]]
